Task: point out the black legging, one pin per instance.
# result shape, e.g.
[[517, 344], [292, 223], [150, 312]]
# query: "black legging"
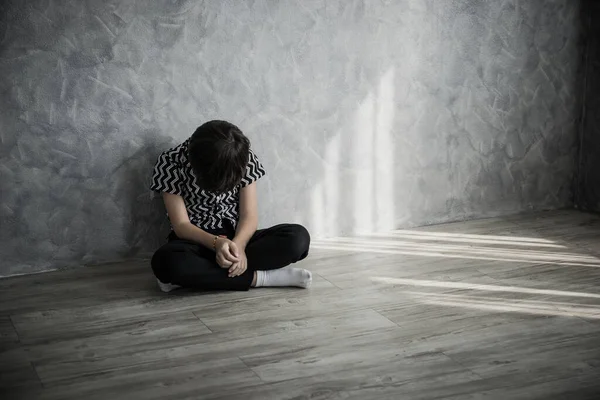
[[189, 264]]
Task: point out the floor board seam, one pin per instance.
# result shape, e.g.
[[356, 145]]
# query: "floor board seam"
[[383, 316], [202, 322], [462, 365], [252, 369], [12, 323], [327, 280], [37, 375], [584, 320]]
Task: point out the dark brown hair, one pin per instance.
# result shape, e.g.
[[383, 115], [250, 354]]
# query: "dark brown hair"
[[218, 152]]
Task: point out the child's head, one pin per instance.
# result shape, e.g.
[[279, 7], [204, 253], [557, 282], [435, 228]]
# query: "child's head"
[[218, 153]]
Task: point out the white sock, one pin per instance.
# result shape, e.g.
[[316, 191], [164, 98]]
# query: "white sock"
[[284, 277], [167, 287]]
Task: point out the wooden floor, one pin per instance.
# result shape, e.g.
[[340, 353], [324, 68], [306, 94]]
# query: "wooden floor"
[[505, 308]]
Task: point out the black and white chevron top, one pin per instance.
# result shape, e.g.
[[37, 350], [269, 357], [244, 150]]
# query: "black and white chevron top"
[[208, 210]]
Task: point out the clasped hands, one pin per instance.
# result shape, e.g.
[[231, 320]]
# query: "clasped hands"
[[231, 256]]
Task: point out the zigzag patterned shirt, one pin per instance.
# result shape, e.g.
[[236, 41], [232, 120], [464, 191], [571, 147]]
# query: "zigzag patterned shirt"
[[208, 210]]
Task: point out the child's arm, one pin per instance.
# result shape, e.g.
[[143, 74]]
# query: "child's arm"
[[184, 229], [248, 216]]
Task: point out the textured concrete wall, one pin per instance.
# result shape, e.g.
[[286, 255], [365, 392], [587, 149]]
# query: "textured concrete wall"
[[367, 115], [588, 185]]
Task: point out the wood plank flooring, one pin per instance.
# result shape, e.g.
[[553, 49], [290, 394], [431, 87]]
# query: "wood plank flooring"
[[504, 308]]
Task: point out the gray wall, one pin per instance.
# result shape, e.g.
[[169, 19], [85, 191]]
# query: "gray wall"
[[368, 115], [588, 182]]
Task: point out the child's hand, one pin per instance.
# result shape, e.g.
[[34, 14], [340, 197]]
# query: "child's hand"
[[225, 253], [240, 267]]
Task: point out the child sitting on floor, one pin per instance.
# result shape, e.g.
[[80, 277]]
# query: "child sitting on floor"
[[208, 184]]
